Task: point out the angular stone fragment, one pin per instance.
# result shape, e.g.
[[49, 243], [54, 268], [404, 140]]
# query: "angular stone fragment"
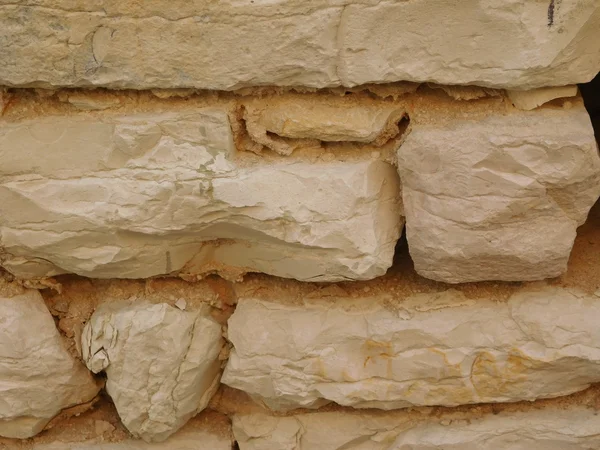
[[528, 100], [161, 363], [498, 198], [317, 43], [575, 428], [38, 377], [150, 194], [431, 349], [281, 125]]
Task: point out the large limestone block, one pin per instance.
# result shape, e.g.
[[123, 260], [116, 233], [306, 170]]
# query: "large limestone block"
[[38, 376], [430, 349], [316, 43], [498, 198], [159, 193], [554, 429], [162, 364]]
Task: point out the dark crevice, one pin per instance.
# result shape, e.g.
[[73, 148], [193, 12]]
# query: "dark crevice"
[[591, 97]]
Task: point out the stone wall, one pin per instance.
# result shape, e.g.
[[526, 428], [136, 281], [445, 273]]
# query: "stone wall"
[[298, 225]]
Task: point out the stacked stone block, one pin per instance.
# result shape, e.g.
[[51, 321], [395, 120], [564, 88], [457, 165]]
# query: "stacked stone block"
[[298, 225]]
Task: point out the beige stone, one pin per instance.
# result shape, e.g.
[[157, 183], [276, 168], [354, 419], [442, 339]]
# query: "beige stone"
[[431, 349], [159, 193], [317, 43], [38, 376], [498, 198], [196, 439], [283, 125], [161, 363], [528, 100], [575, 428]]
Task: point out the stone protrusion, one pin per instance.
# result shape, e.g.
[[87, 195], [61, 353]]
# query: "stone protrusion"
[[498, 198], [158, 194], [38, 376], [161, 363], [318, 43], [430, 349]]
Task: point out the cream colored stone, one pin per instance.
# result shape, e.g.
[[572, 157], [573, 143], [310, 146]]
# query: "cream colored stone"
[[317, 43], [152, 194], [432, 349], [575, 428], [197, 439], [498, 198], [282, 125], [38, 377], [528, 100], [161, 363]]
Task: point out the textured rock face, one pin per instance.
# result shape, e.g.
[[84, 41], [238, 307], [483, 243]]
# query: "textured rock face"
[[528, 100], [283, 125], [317, 43], [144, 195], [161, 363], [190, 440], [432, 349], [574, 429], [38, 377], [498, 199]]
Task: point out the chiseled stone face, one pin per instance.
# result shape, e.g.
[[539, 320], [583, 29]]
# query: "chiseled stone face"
[[316, 43], [431, 349], [151, 194], [499, 198], [553, 429], [161, 363], [38, 376]]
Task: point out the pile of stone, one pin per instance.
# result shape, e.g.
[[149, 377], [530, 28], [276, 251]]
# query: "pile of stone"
[[298, 225]]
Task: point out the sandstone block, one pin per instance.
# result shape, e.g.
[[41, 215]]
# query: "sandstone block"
[[38, 376], [317, 43], [283, 125], [430, 349], [528, 100], [161, 363], [498, 198], [151, 194], [575, 428]]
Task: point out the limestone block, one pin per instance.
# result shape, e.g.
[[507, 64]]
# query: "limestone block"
[[38, 376], [151, 194], [528, 100], [316, 43], [430, 349], [554, 429], [498, 198], [281, 125], [161, 363]]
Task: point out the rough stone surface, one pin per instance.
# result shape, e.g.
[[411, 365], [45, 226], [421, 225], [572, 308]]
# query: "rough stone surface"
[[191, 440], [573, 429], [161, 363], [151, 194], [432, 349], [500, 198], [281, 125], [317, 43], [528, 100], [38, 377]]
